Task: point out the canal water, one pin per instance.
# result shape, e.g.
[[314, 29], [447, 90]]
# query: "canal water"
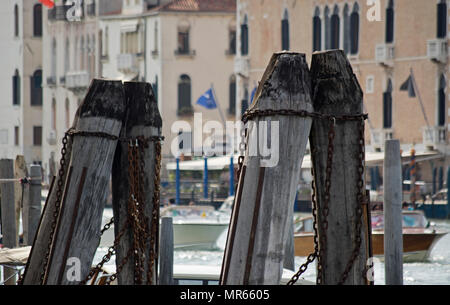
[[435, 271]]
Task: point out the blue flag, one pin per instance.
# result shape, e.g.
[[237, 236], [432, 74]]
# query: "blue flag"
[[253, 96], [207, 100]]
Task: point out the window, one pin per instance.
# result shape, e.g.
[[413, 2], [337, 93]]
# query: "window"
[[53, 122], [335, 28], [53, 61], [327, 28], [244, 36], [81, 54], [285, 31], [67, 113], [244, 102], [441, 101], [16, 20], [183, 40], [155, 37], [354, 30], [346, 18], [106, 47], [232, 41], [37, 135], [390, 22], [37, 20], [184, 95], [16, 136], [36, 88], [129, 42], [67, 57], [317, 31], [370, 84], [232, 96], [16, 88], [442, 19], [387, 106]]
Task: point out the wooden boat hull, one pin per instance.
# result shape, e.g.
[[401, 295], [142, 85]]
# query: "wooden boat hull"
[[416, 246]]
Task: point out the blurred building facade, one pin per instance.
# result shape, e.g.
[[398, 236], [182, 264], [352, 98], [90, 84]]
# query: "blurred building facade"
[[182, 47], [20, 80], [409, 35]]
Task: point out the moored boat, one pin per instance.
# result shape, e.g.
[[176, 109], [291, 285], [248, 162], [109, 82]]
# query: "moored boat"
[[419, 236]]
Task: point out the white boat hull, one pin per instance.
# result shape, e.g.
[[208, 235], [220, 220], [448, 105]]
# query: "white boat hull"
[[197, 235]]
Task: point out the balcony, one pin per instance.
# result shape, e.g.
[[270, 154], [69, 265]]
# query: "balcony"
[[384, 54], [379, 136], [242, 66], [127, 63], [437, 50], [51, 81], [434, 136], [51, 138], [77, 80]]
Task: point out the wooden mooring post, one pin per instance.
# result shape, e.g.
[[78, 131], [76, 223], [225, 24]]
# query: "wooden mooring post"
[[21, 191], [392, 207], [10, 237], [80, 192], [338, 162], [166, 252], [32, 206], [265, 195], [142, 120]]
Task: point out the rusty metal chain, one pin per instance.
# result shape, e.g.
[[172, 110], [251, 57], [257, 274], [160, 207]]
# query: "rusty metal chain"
[[360, 199], [251, 114]]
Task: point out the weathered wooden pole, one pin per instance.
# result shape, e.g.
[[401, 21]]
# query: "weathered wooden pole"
[[32, 207], [81, 195], [393, 233], [10, 237], [21, 190], [40, 251], [268, 181], [338, 162], [142, 120], [289, 250], [166, 252]]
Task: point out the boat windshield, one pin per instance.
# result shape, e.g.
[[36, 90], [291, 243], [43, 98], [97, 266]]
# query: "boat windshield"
[[410, 220]]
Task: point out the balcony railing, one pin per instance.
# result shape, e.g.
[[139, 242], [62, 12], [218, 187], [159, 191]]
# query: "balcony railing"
[[384, 54], [127, 63], [181, 52], [437, 50], [433, 136], [77, 80]]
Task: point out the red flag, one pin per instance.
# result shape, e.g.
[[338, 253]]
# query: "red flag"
[[48, 3]]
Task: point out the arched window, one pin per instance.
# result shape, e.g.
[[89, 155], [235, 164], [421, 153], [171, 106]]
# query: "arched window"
[[37, 20], [317, 31], [335, 28], [16, 20], [53, 114], [67, 111], [36, 88], [387, 106], [346, 17], [441, 101], [184, 95], [53, 61], [232, 95], [16, 88], [354, 30], [327, 28], [442, 19], [390, 22], [244, 36], [285, 31]]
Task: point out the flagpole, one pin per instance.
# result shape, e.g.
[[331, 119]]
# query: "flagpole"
[[420, 99], [218, 105]]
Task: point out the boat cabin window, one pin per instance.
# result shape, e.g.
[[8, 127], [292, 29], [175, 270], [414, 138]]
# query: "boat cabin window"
[[410, 220]]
